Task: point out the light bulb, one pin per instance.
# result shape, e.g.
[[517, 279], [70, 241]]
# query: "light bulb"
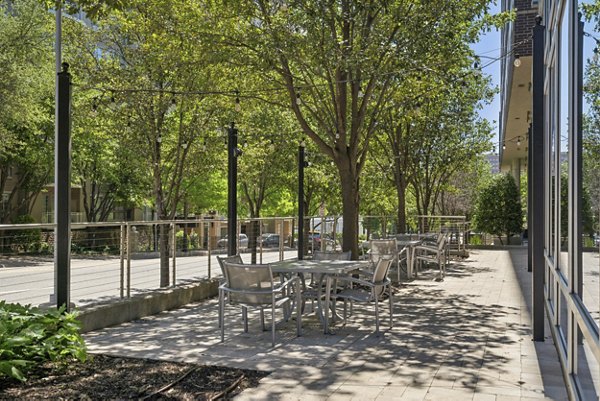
[[517, 61]]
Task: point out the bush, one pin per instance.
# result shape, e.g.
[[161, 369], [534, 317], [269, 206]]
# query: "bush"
[[498, 210], [193, 240], [30, 336], [26, 240], [475, 239]]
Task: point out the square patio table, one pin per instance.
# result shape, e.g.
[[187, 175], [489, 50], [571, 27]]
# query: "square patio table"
[[325, 268]]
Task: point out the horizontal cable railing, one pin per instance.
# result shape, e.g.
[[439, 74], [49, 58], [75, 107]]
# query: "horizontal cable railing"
[[116, 260]]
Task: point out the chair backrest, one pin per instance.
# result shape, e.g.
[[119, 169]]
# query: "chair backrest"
[[237, 259], [381, 247], [332, 255], [441, 241], [380, 274], [248, 280]]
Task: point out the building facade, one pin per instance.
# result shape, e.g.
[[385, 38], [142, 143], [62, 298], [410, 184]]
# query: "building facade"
[[560, 85]]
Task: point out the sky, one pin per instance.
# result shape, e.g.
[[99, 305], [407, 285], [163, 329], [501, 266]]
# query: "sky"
[[489, 46]]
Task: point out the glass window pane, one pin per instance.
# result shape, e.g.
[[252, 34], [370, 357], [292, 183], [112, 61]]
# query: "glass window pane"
[[590, 198], [561, 148], [588, 372]]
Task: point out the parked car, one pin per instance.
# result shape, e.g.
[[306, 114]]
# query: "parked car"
[[222, 243], [269, 240], [315, 239]]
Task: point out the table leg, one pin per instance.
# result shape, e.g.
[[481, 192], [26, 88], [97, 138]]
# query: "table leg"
[[298, 307], [409, 261], [327, 296]]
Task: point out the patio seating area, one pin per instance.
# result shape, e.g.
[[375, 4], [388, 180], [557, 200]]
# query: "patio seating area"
[[465, 338]]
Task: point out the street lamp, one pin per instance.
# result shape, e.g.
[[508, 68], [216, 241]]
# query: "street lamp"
[[301, 165], [232, 154]]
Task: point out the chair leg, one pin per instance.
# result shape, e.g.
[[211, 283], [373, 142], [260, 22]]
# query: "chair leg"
[[345, 309], [391, 299], [376, 315], [262, 319], [273, 325], [221, 317], [245, 318], [287, 312], [298, 312]]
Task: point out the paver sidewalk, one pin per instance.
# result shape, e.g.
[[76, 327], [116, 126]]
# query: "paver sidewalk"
[[465, 338]]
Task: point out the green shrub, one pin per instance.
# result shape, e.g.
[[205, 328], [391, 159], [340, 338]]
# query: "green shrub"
[[194, 240], [498, 209], [27, 240], [30, 336], [475, 239]]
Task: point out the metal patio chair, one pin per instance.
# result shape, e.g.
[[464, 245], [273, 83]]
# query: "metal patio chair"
[[237, 259], [372, 289], [434, 252], [252, 285]]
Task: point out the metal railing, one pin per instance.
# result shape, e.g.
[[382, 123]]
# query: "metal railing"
[[112, 261]]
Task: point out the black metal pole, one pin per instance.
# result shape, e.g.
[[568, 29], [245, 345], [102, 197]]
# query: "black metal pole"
[[536, 236], [62, 189], [301, 164], [529, 199], [232, 153]]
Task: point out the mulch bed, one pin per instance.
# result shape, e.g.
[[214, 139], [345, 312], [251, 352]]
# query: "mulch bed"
[[116, 378]]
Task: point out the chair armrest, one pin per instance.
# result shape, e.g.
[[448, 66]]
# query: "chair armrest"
[[426, 248], [267, 291], [355, 280], [364, 282], [287, 283]]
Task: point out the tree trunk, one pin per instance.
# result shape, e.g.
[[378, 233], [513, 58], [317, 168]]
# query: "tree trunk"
[[164, 254], [351, 201], [253, 238], [401, 214]]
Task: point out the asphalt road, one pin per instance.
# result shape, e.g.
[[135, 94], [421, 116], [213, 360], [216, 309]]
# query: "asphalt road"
[[31, 280]]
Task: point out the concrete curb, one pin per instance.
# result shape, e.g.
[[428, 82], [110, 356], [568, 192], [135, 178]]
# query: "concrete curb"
[[100, 316]]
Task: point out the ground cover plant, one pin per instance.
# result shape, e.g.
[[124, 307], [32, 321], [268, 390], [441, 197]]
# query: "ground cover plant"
[[31, 336], [43, 356]]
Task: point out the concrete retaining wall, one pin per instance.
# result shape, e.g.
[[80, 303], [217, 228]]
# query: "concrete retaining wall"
[[100, 316]]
